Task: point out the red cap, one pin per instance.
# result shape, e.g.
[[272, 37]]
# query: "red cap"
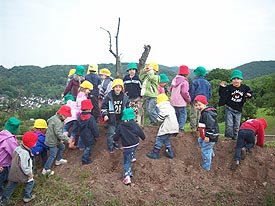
[[263, 122], [86, 104], [65, 110], [184, 70], [201, 98], [29, 139]]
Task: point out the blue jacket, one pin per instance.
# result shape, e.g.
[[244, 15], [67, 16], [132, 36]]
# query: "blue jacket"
[[96, 81], [132, 86], [107, 107], [129, 132], [88, 128], [40, 146], [200, 86]]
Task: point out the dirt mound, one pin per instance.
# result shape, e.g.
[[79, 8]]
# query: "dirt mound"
[[178, 181]]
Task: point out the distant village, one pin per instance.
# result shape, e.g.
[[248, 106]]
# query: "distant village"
[[30, 102]]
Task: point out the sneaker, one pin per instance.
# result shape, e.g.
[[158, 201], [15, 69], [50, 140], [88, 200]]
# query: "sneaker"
[[127, 180], [86, 162], [243, 153], [47, 172], [26, 199], [235, 164], [60, 162], [133, 160]]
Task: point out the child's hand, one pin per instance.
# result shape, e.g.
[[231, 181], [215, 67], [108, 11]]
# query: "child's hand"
[[206, 139], [248, 95], [223, 84], [106, 118]]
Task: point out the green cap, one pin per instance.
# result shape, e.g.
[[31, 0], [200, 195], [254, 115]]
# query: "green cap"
[[68, 97], [236, 74], [79, 70], [128, 114], [12, 125], [163, 78], [200, 71], [131, 65]]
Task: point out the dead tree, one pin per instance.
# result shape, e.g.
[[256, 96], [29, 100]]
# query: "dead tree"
[[116, 55], [144, 56]]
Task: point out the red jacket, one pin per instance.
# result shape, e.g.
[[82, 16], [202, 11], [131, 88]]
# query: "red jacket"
[[257, 127]]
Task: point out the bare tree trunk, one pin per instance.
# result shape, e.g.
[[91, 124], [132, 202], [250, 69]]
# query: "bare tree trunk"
[[116, 55], [144, 56]]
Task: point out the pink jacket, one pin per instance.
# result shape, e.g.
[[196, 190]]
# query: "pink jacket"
[[180, 91], [80, 97], [8, 143], [72, 105]]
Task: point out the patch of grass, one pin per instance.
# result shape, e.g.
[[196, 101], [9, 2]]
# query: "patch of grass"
[[269, 199], [222, 198]]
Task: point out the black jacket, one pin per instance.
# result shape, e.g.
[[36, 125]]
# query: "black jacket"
[[208, 124], [129, 132]]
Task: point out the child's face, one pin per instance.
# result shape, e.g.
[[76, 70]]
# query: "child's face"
[[117, 89], [200, 106], [63, 117], [236, 82], [103, 76], [132, 72], [162, 84], [86, 91]]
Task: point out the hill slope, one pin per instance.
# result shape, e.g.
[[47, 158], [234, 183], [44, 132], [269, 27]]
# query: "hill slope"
[[178, 181]]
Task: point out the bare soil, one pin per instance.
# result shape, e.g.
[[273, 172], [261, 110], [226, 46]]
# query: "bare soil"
[[177, 181]]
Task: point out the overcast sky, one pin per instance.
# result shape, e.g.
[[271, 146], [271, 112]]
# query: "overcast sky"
[[210, 33]]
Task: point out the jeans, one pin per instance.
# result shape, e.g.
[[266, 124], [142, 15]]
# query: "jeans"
[[110, 139], [163, 139], [246, 138], [151, 108], [181, 116], [86, 153], [232, 122], [4, 178], [194, 118], [206, 153], [55, 152], [128, 154], [11, 187], [72, 124]]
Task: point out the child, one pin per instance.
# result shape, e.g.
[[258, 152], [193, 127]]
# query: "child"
[[106, 84], [8, 143], [88, 130], [115, 102], [73, 85], [150, 81], [234, 97], [84, 91], [208, 130], [163, 80], [246, 138], [54, 139], [40, 127], [21, 169], [180, 95], [132, 85], [129, 132], [70, 75], [70, 123], [96, 81], [198, 86], [167, 129]]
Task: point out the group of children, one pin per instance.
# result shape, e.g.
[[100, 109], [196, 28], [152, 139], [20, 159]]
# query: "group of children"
[[76, 121]]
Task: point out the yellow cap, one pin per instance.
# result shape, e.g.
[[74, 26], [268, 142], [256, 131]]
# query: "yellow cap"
[[117, 82], [161, 98], [87, 85], [40, 124], [105, 71], [92, 67], [154, 65], [71, 72]]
